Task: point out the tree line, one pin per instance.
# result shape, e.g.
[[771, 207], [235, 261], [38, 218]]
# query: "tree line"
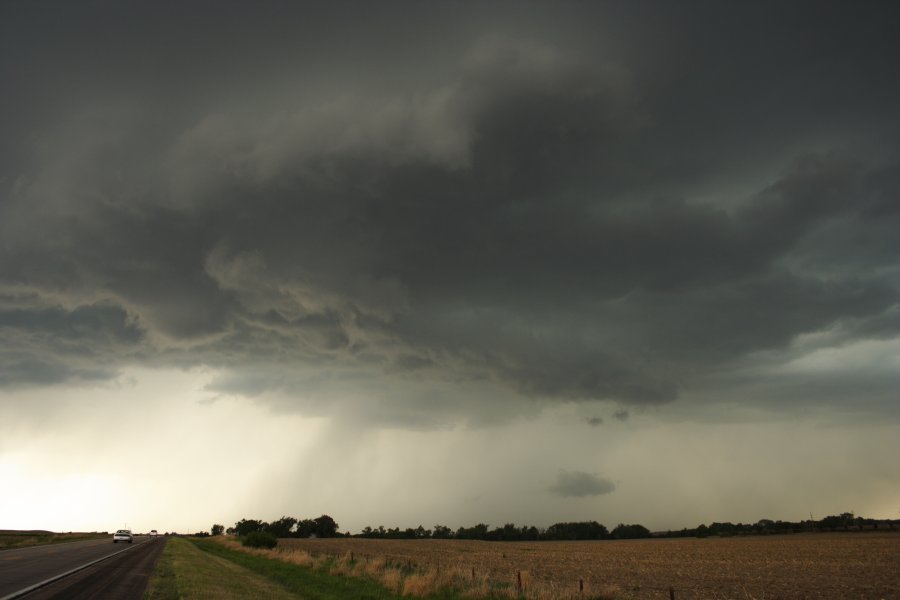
[[592, 530], [581, 530], [325, 526], [843, 522], [285, 527]]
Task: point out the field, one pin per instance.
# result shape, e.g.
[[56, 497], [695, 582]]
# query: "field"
[[12, 538], [814, 566]]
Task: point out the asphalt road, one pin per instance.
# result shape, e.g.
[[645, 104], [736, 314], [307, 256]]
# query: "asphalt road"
[[122, 576]]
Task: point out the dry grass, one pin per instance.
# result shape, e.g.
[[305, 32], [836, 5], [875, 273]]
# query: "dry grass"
[[21, 539], [819, 566]]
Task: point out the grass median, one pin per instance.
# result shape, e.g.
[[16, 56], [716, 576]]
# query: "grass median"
[[300, 581], [185, 572], [192, 569]]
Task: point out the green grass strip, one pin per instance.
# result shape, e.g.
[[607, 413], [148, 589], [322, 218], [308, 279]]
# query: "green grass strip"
[[304, 581], [162, 585], [184, 572]]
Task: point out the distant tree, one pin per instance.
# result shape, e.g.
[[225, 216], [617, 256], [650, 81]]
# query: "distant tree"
[[306, 528], [442, 532], [246, 526], [217, 529], [584, 530], [625, 532], [282, 527], [723, 529], [325, 526], [764, 526], [477, 532], [832, 522], [409, 533], [509, 532]]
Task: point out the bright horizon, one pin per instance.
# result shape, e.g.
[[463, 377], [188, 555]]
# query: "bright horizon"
[[132, 484]]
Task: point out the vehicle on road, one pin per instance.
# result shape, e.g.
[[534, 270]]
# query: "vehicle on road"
[[153, 532], [123, 535]]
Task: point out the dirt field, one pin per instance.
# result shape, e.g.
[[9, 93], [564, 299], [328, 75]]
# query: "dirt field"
[[822, 566]]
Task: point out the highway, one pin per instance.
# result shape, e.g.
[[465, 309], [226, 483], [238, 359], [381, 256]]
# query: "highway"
[[123, 576]]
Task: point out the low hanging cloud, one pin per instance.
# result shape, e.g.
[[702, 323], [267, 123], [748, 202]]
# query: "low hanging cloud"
[[579, 484]]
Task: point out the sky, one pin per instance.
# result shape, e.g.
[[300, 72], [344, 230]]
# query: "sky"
[[413, 263]]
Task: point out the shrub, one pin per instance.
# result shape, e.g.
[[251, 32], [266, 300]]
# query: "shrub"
[[260, 539]]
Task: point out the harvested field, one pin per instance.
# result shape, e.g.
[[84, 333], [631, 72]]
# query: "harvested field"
[[820, 566]]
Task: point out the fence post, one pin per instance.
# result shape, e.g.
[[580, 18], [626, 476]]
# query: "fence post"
[[671, 593], [519, 582], [473, 573], [581, 586]]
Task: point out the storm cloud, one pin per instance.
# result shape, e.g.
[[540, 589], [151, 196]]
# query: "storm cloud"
[[527, 217]]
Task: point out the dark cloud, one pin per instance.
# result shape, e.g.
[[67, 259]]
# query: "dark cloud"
[[594, 421], [52, 345], [82, 324], [503, 218], [21, 370], [578, 484]]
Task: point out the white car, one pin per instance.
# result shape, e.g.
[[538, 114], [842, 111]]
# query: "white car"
[[153, 532], [123, 535]]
